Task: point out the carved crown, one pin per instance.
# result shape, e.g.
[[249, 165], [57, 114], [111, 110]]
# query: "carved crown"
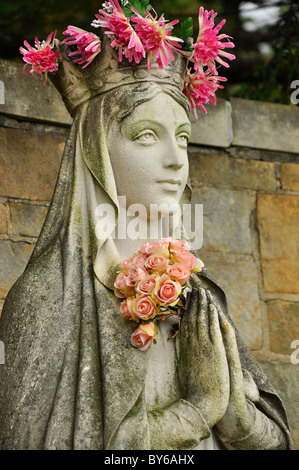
[[106, 73]]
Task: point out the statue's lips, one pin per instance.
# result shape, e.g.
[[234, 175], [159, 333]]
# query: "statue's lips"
[[170, 184]]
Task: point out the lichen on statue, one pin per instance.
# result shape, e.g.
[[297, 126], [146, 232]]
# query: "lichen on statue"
[[72, 379]]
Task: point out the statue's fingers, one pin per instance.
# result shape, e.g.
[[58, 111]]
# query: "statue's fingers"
[[203, 322], [232, 352], [214, 330]]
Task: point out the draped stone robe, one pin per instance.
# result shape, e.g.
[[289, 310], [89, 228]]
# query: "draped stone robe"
[[71, 378]]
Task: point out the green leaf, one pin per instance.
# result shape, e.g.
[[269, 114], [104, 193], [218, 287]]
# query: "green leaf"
[[186, 28], [139, 5]]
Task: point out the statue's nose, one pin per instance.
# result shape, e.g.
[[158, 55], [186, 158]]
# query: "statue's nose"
[[174, 156]]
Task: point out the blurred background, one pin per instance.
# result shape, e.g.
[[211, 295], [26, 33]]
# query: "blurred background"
[[265, 32]]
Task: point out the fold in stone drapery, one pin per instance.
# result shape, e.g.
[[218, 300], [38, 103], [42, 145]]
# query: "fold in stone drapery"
[[71, 378]]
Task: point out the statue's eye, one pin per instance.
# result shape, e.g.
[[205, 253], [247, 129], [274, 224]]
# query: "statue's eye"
[[183, 139], [146, 137]]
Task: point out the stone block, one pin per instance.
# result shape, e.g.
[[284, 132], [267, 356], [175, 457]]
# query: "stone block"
[[263, 125], [3, 219], [277, 221], [29, 163], [284, 377], [237, 275], [26, 98], [226, 219], [27, 219], [213, 128], [221, 170], [290, 176], [14, 257], [284, 325]]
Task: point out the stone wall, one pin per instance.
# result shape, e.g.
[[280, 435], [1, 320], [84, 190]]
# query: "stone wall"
[[244, 168]]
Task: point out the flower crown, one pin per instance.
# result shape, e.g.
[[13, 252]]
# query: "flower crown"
[[138, 35]]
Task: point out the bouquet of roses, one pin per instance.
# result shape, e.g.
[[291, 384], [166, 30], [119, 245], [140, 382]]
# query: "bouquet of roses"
[[152, 284]]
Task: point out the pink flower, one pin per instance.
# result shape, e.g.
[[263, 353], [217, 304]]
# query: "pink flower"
[[126, 264], [127, 309], [179, 273], [41, 58], [143, 249], [145, 308], [208, 47], [146, 285], [125, 38], [200, 89], [188, 261], [135, 275], [177, 246], [121, 288], [120, 282], [157, 263], [165, 241], [167, 291], [144, 335], [88, 44], [159, 248], [155, 36], [138, 261]]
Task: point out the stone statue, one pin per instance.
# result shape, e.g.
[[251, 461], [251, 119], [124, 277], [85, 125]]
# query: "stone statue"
[[72, 379]]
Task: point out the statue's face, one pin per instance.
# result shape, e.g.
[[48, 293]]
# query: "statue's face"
[[148, 153]]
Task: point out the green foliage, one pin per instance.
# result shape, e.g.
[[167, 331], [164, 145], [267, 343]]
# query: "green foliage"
[[139, 5], [186, 32]]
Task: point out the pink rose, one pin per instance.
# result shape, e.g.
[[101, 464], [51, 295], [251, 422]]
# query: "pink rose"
[[127, 310], [135, 275], [158, 248], [143, 249], [179, 273], [142, 337], [120, 282], [189, 261], [179, 246], [138, 261], [145, 308], [127, 264], [165, 240], [146, 285], [157, 263], [121, 288], [167, 291]]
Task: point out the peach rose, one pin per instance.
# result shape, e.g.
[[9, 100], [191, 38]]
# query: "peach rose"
[[135, 275], [127, 310], [165, 240], [120, 283], [145, 308], [143, 249], [127, 264], [179, 273], [121, 288], [179, 246], [158, 248], [157, 263], [146, 285], [189, 261], [138, 261], [167, 291], [142, 337]]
